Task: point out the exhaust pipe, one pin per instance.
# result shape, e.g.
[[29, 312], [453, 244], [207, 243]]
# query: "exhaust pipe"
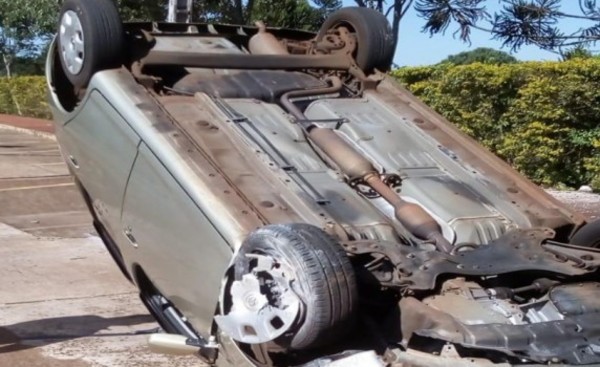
[[352, 164], [172, 344]]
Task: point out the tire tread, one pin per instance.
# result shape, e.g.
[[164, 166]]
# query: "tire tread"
[[329, 286]]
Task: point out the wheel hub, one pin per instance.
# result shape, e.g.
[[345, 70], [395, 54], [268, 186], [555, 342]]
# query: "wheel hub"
[[264, 306], [72, 42]]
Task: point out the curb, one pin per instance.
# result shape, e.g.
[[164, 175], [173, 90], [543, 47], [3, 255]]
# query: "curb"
[[37, 133]]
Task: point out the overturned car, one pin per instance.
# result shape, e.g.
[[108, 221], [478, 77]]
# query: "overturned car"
[[279, 201]]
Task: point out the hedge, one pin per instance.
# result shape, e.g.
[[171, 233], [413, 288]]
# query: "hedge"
[[25, 96], [541, 117]]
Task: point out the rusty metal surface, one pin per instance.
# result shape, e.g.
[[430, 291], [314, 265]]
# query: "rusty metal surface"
[[201, 125], [541, 208], [539, 342], [246, 61], [430, 176], [520, 250], [265, 85], [265, 43], [577, 299], [267, 128]]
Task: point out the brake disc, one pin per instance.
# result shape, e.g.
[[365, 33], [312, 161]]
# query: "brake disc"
[[264, 305]]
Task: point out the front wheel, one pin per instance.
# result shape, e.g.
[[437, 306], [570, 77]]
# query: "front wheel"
[[90, 39], [294, 285]]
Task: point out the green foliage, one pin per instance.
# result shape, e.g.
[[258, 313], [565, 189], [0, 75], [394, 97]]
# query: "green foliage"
[[25, 96], [483, 55], [279, 13], [24, 29], [142, 10], [578, 52], [290, 13], [26, 66], [541, 117]]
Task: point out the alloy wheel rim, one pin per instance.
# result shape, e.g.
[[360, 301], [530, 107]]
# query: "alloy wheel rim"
[[72, 42]]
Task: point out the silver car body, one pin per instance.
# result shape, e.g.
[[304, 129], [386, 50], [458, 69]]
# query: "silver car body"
[[179, 181]]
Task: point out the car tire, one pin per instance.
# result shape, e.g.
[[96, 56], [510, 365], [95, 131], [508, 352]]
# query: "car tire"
[[325, 281], [90, 39], [375, 38], [588, 235]]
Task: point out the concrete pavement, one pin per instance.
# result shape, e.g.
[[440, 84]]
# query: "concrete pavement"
[[63, 302]]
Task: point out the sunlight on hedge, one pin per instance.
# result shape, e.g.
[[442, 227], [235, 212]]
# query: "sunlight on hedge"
[[541, 117]]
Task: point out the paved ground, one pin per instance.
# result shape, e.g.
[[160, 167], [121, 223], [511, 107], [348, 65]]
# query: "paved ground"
[[587, 204], [63, 303], [28, 123]]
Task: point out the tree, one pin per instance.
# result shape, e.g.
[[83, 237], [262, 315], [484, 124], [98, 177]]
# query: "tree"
[[577, 52], [281, 13], [483, 55], [518, 23], [24, 29], [142, 10], [535, 22]]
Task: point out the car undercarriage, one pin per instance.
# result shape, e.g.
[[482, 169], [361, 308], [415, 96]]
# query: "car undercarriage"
[[364, 229]]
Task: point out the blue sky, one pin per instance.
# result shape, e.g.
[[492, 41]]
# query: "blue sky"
[[418, 48]]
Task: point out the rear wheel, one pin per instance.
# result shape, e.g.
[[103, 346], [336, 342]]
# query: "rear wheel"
[[90, 39], [374, 36], [588, 235]]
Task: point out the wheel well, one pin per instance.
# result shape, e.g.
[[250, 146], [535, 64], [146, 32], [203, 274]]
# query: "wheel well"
[[62, 88], [140, 278]]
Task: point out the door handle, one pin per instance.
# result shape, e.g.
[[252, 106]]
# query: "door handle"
[[130, 236], [73, 161]]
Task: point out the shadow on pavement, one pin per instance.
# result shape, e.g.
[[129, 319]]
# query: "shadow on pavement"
[[48, 331]]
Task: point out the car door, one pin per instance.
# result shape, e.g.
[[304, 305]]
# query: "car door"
[[174, 243], [100, 147]]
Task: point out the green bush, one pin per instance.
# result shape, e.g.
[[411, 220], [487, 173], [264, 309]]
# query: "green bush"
[[541, 117], [25, 96]]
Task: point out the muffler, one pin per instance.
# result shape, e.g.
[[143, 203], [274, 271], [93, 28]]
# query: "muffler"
[[356, 167], [265, 43]]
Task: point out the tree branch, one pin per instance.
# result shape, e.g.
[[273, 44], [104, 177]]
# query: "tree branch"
[[410, 2], [249, 8], [239, 12]]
